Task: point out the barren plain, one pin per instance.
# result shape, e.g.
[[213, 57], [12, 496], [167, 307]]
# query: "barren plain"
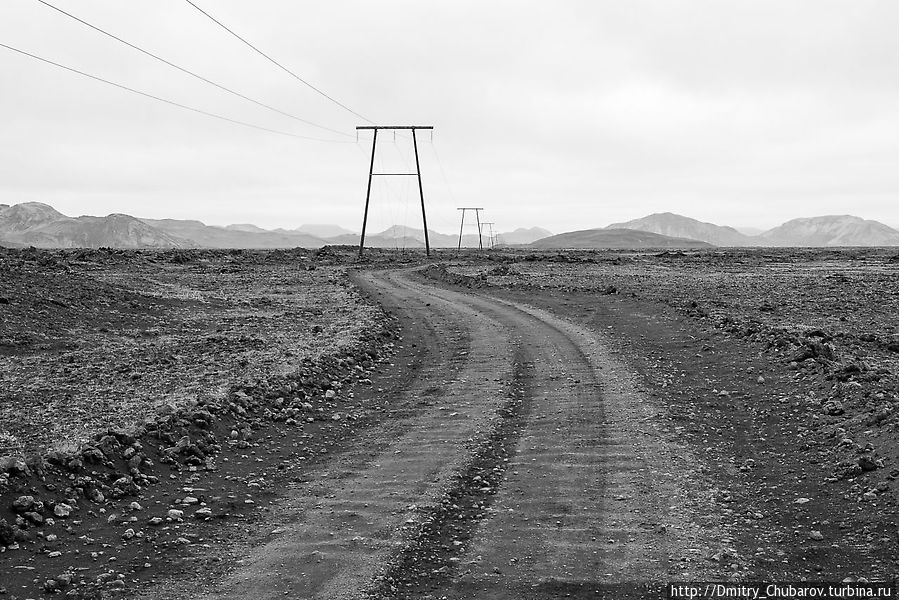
[[497, 425]]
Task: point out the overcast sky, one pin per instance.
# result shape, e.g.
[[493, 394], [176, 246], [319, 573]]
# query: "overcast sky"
[[567, 115]]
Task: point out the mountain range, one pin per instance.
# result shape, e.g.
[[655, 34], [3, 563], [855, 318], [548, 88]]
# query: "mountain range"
[[40, 225], [825, 231]]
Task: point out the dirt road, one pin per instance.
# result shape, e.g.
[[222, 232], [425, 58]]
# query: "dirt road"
[[533, 467]]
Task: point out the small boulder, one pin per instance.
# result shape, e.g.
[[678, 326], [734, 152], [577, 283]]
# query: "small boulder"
[[175, 514], [7, 533], [867, 463], [34, 517], [833, 407], [93, 455], [23, 504], [13, 465]]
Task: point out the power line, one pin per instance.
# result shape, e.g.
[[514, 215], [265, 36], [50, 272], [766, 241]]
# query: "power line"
[[191, 73], [279, 65], [171, 102]]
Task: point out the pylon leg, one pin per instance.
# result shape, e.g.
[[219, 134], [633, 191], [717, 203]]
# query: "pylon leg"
[[424, 219], [477, 215], [371, 171], [460, 228]]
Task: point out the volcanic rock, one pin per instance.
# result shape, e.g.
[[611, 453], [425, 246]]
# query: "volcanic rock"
[[23, 504]]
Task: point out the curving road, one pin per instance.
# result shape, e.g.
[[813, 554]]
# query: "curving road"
[[584, 492]]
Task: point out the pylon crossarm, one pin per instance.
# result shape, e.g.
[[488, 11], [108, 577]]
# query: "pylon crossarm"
[[360, 127]]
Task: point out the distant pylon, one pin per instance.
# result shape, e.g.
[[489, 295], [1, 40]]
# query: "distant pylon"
[[477, 214], [491, 238], [371, 173]]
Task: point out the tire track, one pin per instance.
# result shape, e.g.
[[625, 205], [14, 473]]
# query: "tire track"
[[354, 517], [528, 467], [593, 502]]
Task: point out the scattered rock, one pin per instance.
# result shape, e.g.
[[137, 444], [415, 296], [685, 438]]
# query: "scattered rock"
[[34, 517], [62, 510], [867, 463], [23, 504], [7, 533], [13, 465], [833, 407], [175, 514], [848, 470]]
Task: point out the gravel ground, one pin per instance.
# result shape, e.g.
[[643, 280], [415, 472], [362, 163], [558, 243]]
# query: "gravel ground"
[[830, 311], [782, 364], [96, 340]]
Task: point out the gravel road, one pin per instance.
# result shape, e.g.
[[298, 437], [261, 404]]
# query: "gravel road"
[[535, 467]]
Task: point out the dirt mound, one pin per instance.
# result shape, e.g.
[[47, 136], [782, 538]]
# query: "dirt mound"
[[439, 272]]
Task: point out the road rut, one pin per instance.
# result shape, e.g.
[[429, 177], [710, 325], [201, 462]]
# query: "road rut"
[[594, 493]]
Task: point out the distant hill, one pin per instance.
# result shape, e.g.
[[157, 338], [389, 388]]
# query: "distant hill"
[[750, 231], [399, 236], [323, 230], [27, 216], [377, 240], [833, 230], [678, 226], [523, 235], [40, 225], [112, 231], [248, 227], [615, 238], [201, 235]]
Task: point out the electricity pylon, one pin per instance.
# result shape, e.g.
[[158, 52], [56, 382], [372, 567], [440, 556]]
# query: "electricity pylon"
[[371, 173], [477, 214], [491, 238]]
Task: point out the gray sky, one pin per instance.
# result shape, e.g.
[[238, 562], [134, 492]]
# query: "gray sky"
[[567, 115]]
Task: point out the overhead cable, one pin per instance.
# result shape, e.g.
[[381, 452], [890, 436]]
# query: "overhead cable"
[[191, 73], [170, 102], [279, 65]]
